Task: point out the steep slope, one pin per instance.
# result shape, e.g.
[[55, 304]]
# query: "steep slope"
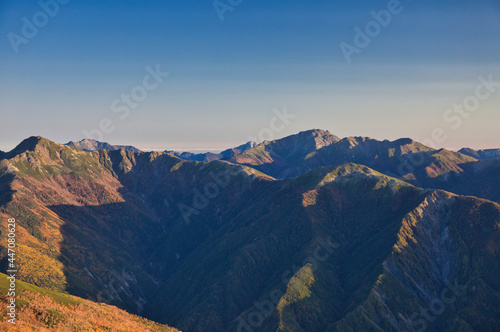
[[312, 257], [258, 245], [79, 229], [377, 154], [403, 158], [480, 179], [226, 154], [296, 154], [487, 154], [44, 310], [445, 264], [418, 165], [274, 233], [368, 149], [87, 219], [93, 145], [280, 158], [192, 200]]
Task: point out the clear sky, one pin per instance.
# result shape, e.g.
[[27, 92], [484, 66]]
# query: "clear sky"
[[225, 77]]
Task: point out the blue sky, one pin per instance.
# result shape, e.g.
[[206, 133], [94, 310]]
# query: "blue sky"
[[226, 77]]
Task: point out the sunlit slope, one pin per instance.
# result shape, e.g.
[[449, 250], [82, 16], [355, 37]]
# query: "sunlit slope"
[[39, 309]]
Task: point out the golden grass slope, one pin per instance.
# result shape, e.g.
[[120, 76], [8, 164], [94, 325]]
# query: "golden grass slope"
[[39, 309]]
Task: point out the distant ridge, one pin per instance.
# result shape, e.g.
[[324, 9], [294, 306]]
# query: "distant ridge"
[[93, 145], [487, 154], [210, 156], [237, 150]]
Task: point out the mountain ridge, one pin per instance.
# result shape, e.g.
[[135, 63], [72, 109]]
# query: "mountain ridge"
[[197, 244], [485, 154], [210, 156], [93, 145]]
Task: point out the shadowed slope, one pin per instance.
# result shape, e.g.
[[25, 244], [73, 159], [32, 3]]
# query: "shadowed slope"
[[86, 220], [272, 235]]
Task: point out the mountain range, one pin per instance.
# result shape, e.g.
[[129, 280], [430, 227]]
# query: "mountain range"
[[310, 232], [487, 154]]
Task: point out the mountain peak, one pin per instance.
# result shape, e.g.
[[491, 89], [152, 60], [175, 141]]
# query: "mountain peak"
[[88, 144], [313, 138], [315, 131], [353, 172], [321, 137], [30, 144], [239, 149], [404, 141]]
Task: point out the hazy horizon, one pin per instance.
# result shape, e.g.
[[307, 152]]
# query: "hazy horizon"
[[221, 147]]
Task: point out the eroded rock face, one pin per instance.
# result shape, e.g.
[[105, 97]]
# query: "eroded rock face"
[[425, 258], [430, 270]]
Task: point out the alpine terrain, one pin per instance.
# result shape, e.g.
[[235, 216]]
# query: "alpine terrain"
[[310, 232]]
